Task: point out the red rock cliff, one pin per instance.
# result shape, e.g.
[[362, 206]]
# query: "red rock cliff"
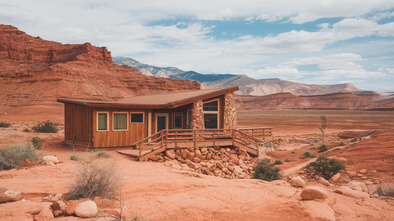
[[34, 71]]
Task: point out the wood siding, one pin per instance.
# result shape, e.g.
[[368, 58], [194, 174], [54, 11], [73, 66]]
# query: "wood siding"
[[77, 121], [111, 138]]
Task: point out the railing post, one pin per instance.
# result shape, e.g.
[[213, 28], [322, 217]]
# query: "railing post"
[[194, 138], [214, 143], [139, 154], [166, 134], [176, 139], [161, 139]]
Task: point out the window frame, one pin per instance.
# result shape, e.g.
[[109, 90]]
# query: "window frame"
[[160, 115], [113, 120], [97, 120], [212, 112], [173, 120], [143, 117]]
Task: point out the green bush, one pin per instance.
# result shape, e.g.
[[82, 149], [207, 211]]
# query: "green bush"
[[74, 157], [102, 154], [325, 167], [4, 124], [354, 140], [278, 162], [12, 156], [45, 127], [266, 171], [37, 142], [309, 155], [322, 148], [95, 179], [341, 144]]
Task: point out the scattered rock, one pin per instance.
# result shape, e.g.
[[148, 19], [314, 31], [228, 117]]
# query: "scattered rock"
[[70, 208], [336, 177], [359, 186], [313, 192], [45, 214], [50, 160], [368, 183], [386, 189], [86, 209], [352, 173], [323, 181], [363, 171], [297, 182], [170, 154], [347, 191], [9, 195]]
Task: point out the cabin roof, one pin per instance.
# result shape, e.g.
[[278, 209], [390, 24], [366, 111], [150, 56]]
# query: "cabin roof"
[[168, 101]]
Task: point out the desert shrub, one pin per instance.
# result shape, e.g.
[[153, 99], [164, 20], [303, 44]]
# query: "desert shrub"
[[322, 148], [278, 162], [264, 170], [341, 144], [74, 157], [102, 154], [288, 160], [325, 167], [4, 124], [95, 179], [45, 127], [354, 140], [12, 156], [37, 142], [309, 155], [26, 130]]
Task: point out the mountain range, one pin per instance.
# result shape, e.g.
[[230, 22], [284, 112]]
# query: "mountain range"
[[247, 85]]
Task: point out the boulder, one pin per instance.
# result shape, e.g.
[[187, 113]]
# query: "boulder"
[[347, 191], [170, 154], [206, 171], [319, 211], [297, 182], [386, 189], [198, 154], [184, 153], [323, 181], [50, 160], [70, 208], [336, 177], [208, 156], [363, 171], [352, 173], [238, 169], [359, 186], [45, 214], [196, 159], [191, 164], [86, 209], [234, 159], [219, 165], [9, 195], [313, 192]]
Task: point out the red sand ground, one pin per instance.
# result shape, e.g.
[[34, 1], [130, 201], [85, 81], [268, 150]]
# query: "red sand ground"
[[155, 192]]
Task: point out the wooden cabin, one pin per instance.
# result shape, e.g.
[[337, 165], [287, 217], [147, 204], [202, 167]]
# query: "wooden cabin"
[[124, 122]]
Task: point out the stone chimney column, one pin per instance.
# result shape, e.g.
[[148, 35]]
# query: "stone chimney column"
[[230, 114], [197, 116]]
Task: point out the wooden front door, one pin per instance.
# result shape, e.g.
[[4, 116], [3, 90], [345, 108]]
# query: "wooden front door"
[[161, 121]]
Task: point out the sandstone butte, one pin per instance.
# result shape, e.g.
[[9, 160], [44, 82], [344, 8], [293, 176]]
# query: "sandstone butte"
[[34, 72]]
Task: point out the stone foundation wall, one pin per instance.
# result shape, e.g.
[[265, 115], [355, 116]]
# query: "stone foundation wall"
[[197, 116], [232, 163], [230, 114]]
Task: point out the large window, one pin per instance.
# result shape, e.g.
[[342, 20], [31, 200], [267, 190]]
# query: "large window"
[[211, 106], [177, 121], [137, 117], [120, 121], [102, 121], [211, 114], [211, 121]]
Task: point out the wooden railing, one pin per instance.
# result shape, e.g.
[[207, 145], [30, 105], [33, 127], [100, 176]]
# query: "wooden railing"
[[183, 138], [261, 133]]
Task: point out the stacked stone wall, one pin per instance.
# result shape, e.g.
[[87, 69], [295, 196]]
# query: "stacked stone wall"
[[230, 114]]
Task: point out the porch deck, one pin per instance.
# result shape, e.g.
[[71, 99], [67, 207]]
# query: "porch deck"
[[248, 139]]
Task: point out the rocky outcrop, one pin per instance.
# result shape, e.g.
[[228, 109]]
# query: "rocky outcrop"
[[9, 195], [35, 72], [340, 100]]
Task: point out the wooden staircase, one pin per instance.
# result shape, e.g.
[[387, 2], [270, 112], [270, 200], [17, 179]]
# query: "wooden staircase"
[[246, 139]]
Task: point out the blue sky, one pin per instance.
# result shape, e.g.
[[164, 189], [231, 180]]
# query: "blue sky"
[[316, 42]]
